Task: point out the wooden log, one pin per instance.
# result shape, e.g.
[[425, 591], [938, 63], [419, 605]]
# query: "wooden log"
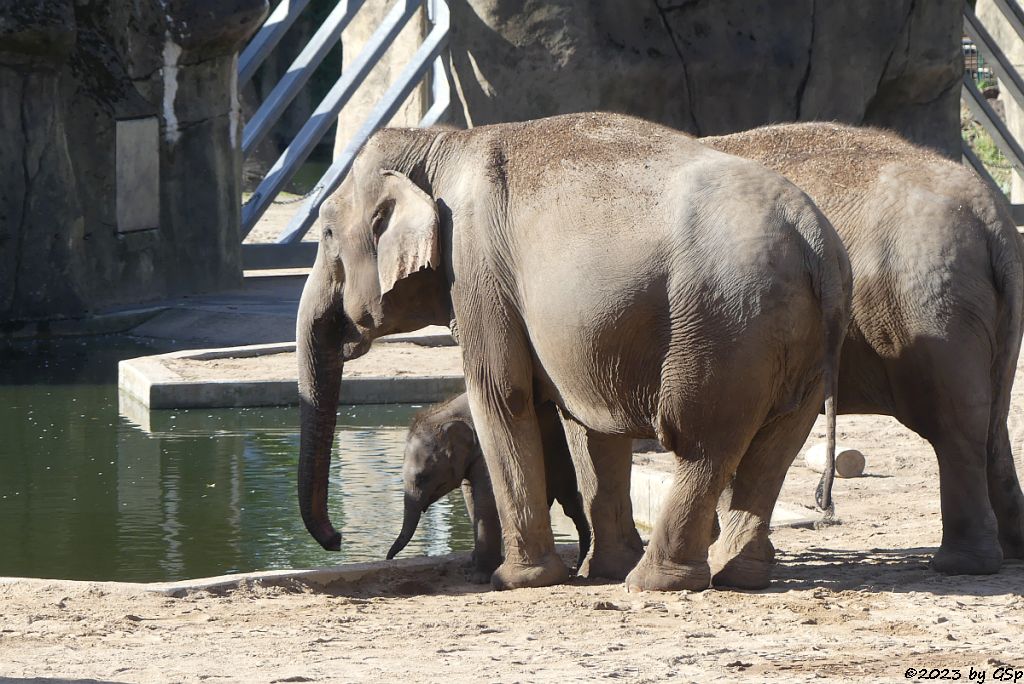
[[849, 461]]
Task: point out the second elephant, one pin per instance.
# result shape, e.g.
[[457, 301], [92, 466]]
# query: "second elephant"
[[442, 452]]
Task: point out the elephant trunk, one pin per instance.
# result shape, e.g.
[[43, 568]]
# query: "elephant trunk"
[[319, 335], [413, 510]]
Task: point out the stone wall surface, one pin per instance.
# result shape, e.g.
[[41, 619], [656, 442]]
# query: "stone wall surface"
[[74, 76], [711, 67]]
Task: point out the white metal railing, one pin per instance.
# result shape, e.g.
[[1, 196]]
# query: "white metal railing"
[[288, 249], [1009, 80]]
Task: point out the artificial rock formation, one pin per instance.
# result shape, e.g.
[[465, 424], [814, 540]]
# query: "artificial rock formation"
[[119, 151], [711, 67]]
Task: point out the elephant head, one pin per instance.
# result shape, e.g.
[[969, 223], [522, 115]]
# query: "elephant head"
[[377, 272], [437, 459]]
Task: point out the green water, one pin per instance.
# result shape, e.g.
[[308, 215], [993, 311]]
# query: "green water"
[[85, 493]]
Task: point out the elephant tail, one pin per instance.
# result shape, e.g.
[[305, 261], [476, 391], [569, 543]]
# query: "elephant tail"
[[1006, 251], [832, 280], [1006, 254]]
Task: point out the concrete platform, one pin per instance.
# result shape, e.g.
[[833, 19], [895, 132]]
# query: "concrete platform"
[[652, 480], [266, 375]]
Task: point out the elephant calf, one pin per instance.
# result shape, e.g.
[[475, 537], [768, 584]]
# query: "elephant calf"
[[442, 452]]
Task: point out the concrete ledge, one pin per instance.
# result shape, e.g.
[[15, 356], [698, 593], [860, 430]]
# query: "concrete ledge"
[[650, 486], [329, 576], [151, 382]]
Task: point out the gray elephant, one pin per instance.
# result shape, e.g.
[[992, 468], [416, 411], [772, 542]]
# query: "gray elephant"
[[938, 290], [442, 452], [645, 284], [936, 330]]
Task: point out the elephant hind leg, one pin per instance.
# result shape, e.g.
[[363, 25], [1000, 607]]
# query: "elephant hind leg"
[[603, 466], [1005, 493], [946, 398], [677, 555], [743, 555]]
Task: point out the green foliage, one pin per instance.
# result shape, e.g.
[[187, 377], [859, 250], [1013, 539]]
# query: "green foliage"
[[975, 135]]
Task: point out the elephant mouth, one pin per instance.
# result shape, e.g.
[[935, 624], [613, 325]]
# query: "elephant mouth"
[[352, 350]]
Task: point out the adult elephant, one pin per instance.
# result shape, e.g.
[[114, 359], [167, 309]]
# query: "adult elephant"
[[936, 330], [645, 284]]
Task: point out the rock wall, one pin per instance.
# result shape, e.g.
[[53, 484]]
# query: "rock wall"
[[119, 151], [713, 67]]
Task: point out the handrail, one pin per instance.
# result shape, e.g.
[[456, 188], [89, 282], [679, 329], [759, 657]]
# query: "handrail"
[[426, 56], [300, 71], [263, 43], [325, 114], [1001, 136], [1013, 14], [1005, 71]]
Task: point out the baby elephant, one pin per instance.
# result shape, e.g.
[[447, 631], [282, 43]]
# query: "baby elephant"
[[442, 452]]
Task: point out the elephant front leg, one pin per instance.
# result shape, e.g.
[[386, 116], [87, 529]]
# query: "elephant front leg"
[[483, 513], [603, 466], [510, 439]]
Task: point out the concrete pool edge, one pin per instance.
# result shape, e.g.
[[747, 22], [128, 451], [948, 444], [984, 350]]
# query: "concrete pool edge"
[[322, 577], [146, 383]]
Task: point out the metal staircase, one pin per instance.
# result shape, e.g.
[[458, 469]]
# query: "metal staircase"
[[1009, 81], [288, 250]]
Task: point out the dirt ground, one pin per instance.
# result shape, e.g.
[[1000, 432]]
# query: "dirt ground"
[[854, 601]]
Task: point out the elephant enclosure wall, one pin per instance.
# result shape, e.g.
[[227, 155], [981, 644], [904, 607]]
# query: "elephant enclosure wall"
[[714, 67], [119, 158]]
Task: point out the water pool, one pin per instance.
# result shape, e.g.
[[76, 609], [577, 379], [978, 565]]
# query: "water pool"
[[87, 494]]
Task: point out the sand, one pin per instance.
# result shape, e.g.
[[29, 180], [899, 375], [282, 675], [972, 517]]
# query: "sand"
[[849, 601]]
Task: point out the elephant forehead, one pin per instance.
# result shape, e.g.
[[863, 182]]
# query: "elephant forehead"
[[422, 446]]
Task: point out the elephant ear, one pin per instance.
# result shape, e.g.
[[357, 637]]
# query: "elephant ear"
[[405, 230]]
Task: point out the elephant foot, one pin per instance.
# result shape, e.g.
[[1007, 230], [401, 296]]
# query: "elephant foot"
[[961, 561], [743, 572], [1012, 543], [614, 565], [748, 568], [666, 575], [550, 570], [475, 576]]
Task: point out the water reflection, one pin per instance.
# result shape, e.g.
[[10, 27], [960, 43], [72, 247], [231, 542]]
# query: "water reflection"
[[86, 493]]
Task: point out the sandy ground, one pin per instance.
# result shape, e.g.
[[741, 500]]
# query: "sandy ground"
[[854, 601]]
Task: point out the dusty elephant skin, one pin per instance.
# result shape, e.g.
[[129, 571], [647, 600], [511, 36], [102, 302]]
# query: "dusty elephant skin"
[[442, 452], [936, 327], [648, 286]]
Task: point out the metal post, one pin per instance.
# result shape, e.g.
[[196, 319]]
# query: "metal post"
[[326, 37], [410, 77], [325, 114], [264, 42]]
